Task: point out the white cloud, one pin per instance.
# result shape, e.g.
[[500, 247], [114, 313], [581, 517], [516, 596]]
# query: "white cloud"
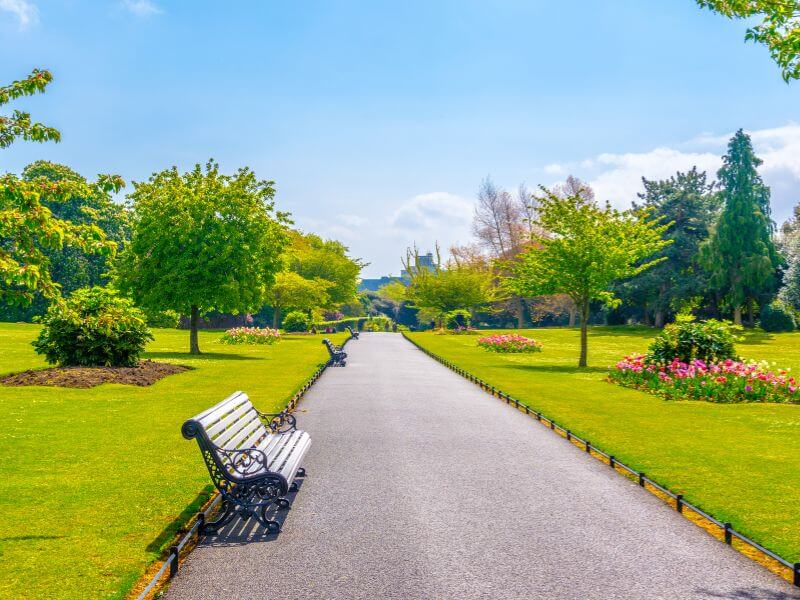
[[352, 220], [618, 177], [434, 211], [555, 169], [141, 8], [25, 12]]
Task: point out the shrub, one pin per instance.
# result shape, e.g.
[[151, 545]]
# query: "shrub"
[[296, 321], [509, 343], [711, 341], [727, 381], [250, 335], [371, 325], [776, 316], [93, 327], [457, 319]]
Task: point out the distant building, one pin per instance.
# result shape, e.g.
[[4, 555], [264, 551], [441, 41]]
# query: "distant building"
[[426, 261], [373, 285]]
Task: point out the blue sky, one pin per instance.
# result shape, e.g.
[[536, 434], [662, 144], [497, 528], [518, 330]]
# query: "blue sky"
[[377, 120]]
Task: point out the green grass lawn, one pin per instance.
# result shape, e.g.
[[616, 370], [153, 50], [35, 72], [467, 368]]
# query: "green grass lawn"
[[739, 462], [92, 481]]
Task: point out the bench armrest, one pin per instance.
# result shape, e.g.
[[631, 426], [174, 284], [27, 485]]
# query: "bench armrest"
[[244, 462], [282, 422]]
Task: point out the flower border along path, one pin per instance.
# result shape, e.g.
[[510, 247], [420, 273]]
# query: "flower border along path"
[[722, 531], [186, 542]]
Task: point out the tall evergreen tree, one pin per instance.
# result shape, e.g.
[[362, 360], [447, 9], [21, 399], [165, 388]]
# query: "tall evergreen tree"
[[741, 255], [686, 202]]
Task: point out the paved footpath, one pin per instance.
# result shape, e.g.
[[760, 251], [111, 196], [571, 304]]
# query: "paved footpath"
[[421, 486]]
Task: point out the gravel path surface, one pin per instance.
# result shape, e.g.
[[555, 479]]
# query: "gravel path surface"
[[421, 486]]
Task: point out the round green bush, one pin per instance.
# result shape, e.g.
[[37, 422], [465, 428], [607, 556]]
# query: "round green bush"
[[777, 317], [296, 321], [371, 325], [711, 341], [93, 327]]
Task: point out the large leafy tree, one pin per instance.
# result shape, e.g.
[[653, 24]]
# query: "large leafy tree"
[[779, 29], [71, 267], [586, 248], [314, 258], [202, 241], [687, 203], [294, 292], [31, 232], [740, 255]]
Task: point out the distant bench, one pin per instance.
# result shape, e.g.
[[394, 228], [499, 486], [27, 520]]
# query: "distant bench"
[[253, 458], [338, 357], [353, 334]]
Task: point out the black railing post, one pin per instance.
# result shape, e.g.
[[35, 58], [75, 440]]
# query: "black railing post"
[[173, 557], [569, 435], [728, 535], [552, 425], [611, 461], [679, 502], [641, 479], [796, 578], [588, 447]]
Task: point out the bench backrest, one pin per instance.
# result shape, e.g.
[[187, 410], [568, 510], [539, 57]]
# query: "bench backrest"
[[330, 346], [232, 424]]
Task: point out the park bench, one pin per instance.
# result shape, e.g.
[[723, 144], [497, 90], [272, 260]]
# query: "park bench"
[[338, 357], [253, 458], [353, 334]]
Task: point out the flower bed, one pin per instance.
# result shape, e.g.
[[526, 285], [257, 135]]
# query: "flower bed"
[[250, 335], [727, 381], [509, 343]]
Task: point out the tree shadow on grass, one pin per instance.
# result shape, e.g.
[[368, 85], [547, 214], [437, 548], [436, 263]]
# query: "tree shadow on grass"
[[168, 533], [203, 356], [561, 369], [753, 338]]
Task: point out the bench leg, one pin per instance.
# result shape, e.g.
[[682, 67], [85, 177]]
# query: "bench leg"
[[269, 524], [293, 487], [213, 527], [301, 472], [282, 503]]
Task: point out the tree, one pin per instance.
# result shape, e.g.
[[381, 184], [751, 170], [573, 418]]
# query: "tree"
[[442, 290], [740, 255], [396, 293], [202, 241], [586, 249], [294, 292], [790, 291], [19, 124], [686, 202], [315, 258], [503, 226], [779, 29], [29, 231]]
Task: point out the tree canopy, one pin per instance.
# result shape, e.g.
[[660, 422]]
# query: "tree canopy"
[[19, 124], [294, 292], [202, 241], [314, 258], [585, 249], [779, 29]]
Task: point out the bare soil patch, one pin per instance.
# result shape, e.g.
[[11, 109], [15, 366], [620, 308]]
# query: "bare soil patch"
[[145, 373]]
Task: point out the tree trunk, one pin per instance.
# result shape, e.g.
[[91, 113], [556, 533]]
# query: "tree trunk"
[[751, 313], [646, 316], [573, 316], [659, 319], [520, 312], [194, 346], [737, 315], [276, 317], [584, 325]]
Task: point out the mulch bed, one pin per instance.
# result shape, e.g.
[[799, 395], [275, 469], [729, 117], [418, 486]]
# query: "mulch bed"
[[145, 373]]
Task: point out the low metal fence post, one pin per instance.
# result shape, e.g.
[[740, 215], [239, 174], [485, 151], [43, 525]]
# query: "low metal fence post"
[[641, 479], [796, 578], [679, 502], [173, 557], [588, 447], [611, 461], [728, 535]]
